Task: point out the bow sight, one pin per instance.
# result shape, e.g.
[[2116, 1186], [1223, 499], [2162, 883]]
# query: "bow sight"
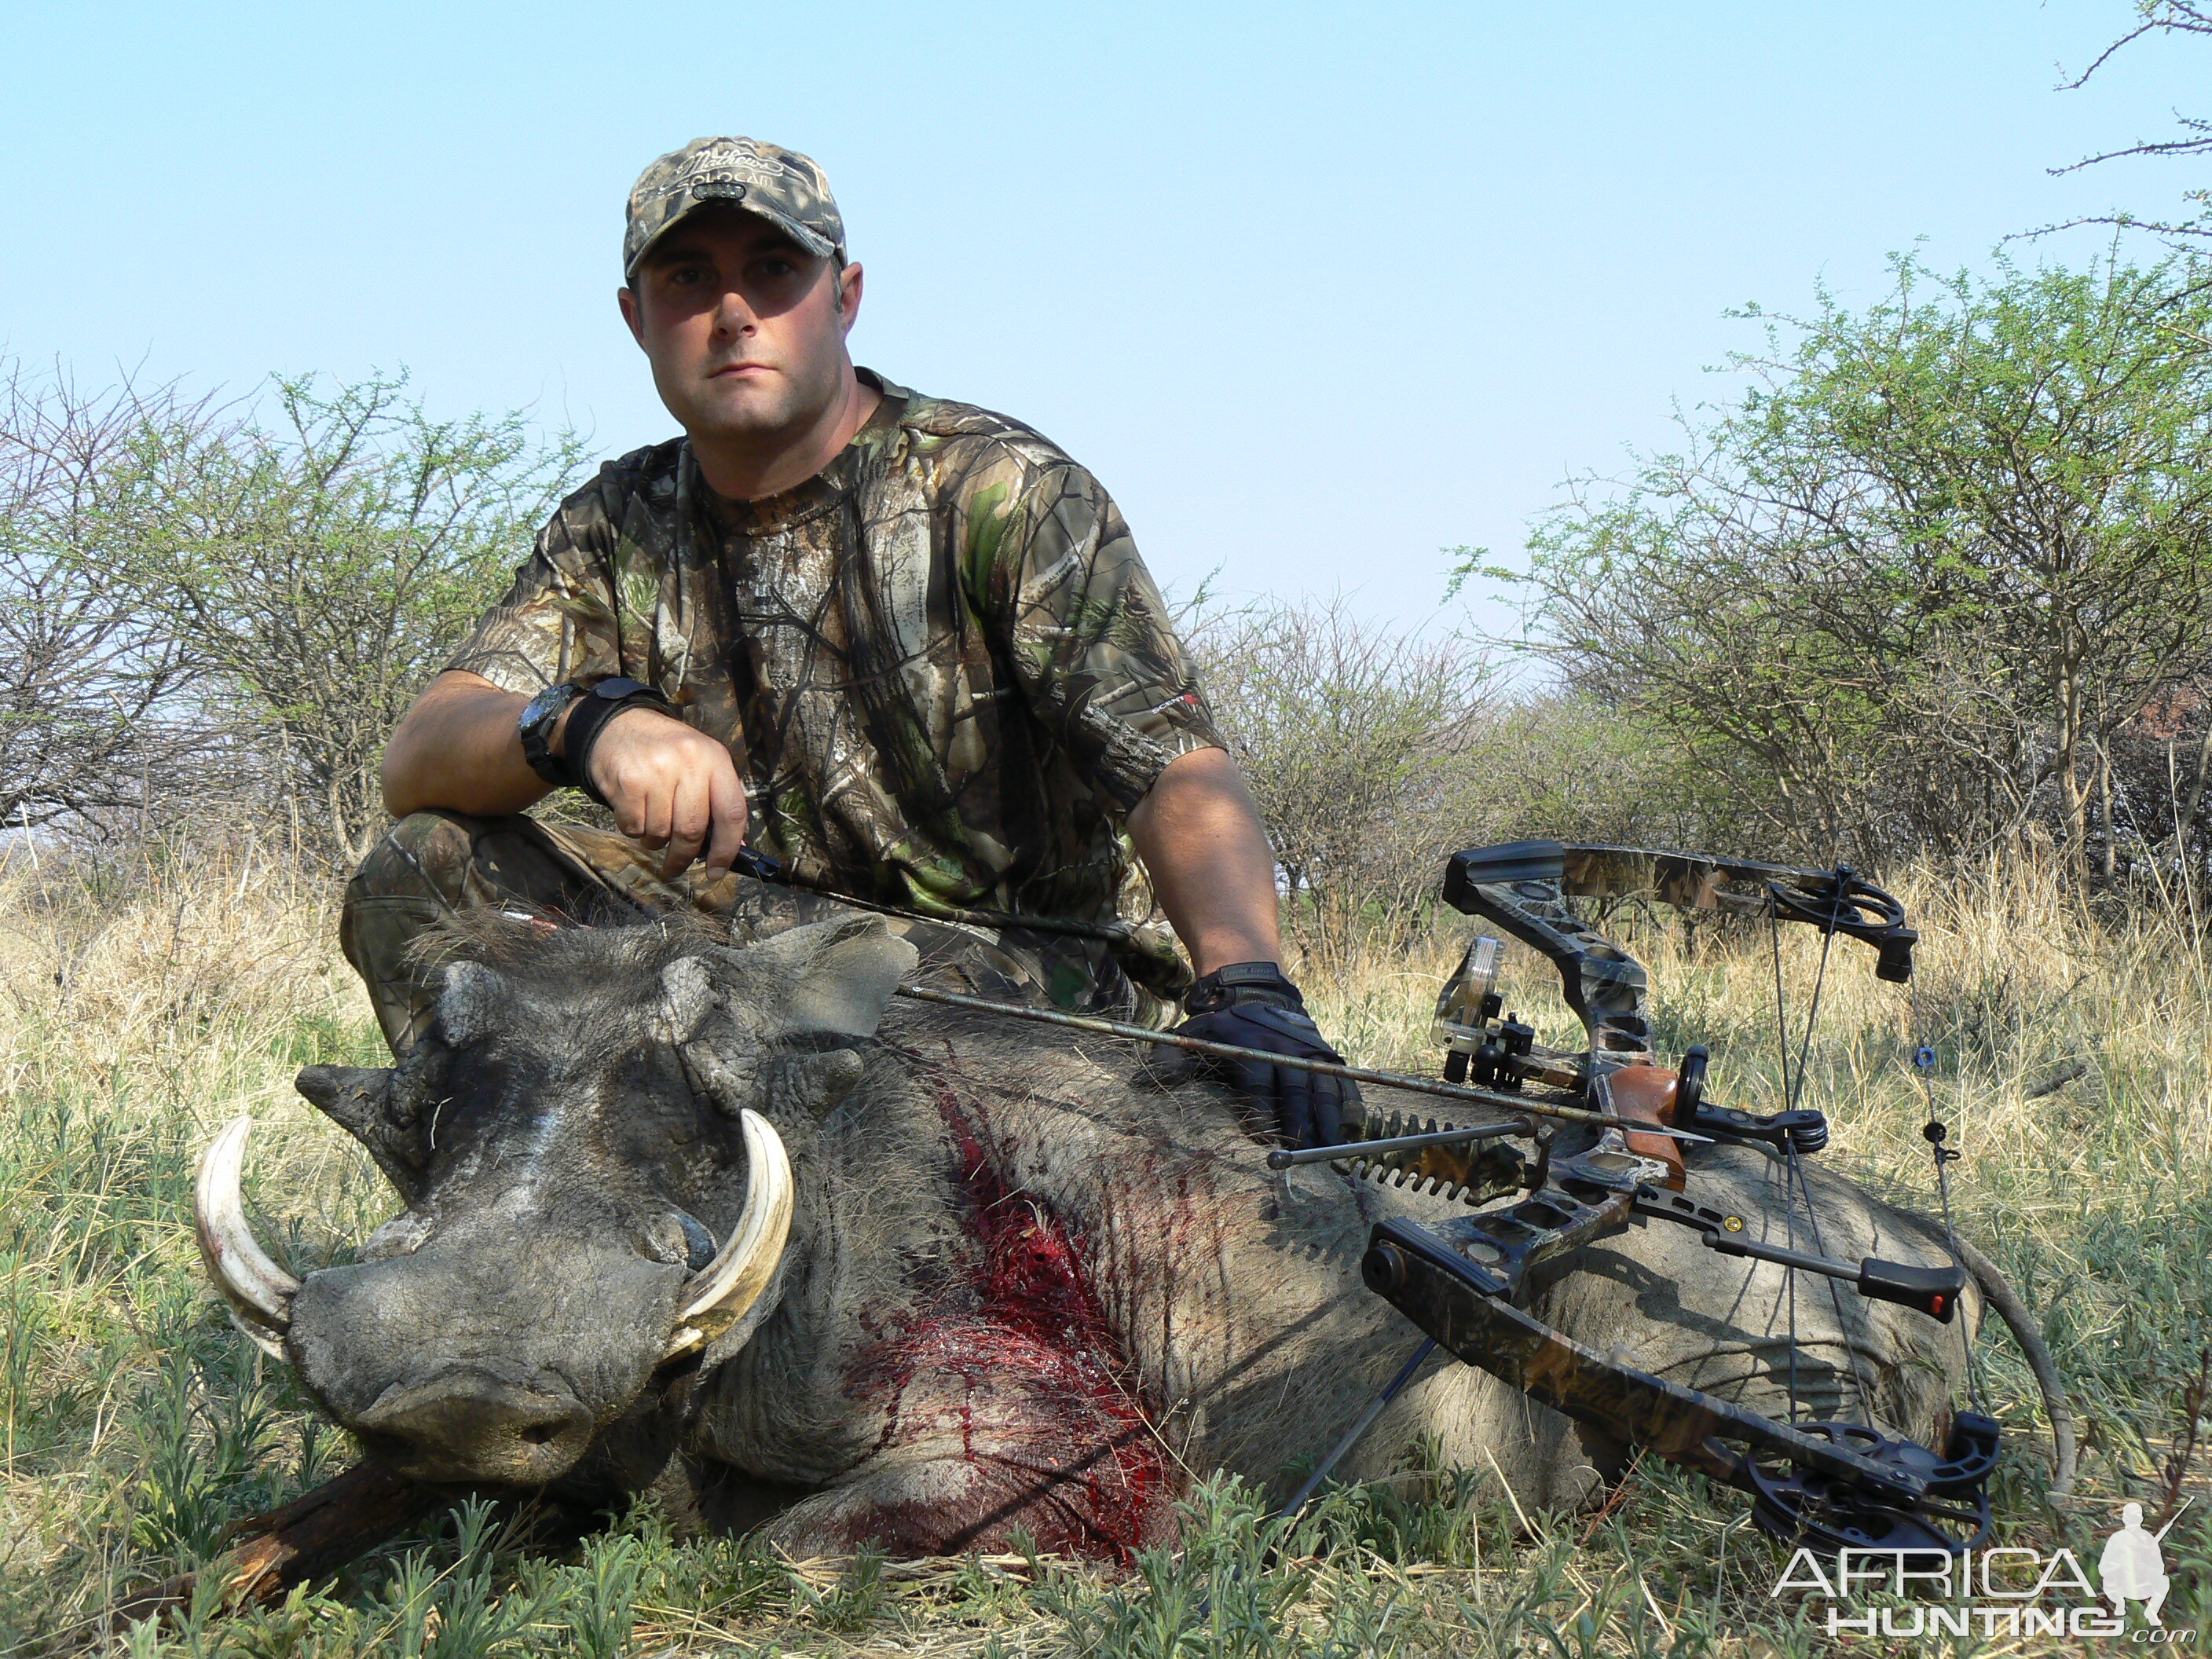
[[1468, 1282]]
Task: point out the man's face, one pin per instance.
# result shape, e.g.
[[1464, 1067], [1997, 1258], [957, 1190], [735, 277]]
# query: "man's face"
[[746, 329]]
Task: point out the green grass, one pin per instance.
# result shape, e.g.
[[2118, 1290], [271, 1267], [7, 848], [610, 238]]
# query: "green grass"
[[144, 1004]]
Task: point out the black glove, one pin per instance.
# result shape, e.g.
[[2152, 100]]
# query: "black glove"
[[1251, 1006]]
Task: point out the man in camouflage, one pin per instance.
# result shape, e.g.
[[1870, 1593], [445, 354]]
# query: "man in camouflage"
[[904, 644]]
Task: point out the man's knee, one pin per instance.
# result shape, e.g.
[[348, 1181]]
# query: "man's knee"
[[418, 871], [424, 854]]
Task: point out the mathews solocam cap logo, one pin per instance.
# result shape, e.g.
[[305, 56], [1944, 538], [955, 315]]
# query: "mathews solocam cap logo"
[[778, 184]]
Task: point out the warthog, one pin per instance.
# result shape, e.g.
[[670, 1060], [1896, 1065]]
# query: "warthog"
[[1023, 1286]]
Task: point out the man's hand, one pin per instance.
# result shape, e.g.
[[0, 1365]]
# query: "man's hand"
[[670, 786], [1203, 845], [1250, 1005]]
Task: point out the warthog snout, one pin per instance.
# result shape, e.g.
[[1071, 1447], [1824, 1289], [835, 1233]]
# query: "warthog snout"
[[470, 1427]]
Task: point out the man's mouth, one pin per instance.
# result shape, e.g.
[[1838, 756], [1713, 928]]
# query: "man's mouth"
[[738, 370]]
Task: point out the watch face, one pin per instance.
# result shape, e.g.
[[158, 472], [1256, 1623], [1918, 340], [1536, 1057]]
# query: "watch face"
[[550, 701]]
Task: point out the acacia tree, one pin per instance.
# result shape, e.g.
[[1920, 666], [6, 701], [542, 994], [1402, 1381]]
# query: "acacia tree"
[[313, 576], [1356, 741], [1922, 578], [88, 690], [2167, 18]]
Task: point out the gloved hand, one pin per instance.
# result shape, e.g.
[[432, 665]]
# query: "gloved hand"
[[1252, 1005]]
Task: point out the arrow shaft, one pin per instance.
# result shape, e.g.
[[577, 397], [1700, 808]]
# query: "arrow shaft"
[[1115, 1028]]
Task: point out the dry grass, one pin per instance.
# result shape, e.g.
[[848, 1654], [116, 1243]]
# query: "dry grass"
[[148, 1002]]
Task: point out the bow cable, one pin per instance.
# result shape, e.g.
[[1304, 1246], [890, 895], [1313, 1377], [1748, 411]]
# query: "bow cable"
[[1795, 1181]]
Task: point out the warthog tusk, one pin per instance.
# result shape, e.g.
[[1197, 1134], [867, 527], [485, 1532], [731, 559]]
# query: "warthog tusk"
[[725, 1290], [259, 1292]]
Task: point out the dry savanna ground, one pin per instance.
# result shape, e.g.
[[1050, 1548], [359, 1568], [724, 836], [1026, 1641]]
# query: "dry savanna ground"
[[148, 999]]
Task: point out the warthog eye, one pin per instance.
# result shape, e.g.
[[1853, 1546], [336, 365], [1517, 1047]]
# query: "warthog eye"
[[674, 1236], [698, 1242]]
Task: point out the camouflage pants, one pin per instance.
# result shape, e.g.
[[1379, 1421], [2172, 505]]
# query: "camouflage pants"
[[435, 864]]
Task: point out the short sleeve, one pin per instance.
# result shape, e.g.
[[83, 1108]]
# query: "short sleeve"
[[1087, 634], [559, 620]]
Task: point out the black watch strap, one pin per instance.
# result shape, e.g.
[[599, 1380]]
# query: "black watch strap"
[[1242, 982], [539, 717], [601, 704]]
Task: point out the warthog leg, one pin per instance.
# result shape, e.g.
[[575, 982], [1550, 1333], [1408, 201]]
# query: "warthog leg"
[[316, 1534], [994, 1432]]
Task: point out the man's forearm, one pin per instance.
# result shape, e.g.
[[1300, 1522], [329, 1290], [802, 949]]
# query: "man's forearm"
[[1200, 837], [458, 749]]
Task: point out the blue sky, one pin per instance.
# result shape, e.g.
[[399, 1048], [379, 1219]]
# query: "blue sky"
[[1317, 290]]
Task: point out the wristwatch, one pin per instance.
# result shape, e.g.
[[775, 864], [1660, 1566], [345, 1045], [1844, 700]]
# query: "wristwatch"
[[539, 716]]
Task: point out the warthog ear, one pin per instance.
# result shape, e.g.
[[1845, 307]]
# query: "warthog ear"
[[827, 980], [362, 1101]]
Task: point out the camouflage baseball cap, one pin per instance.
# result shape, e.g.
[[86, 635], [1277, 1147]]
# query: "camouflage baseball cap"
[[780, 184]]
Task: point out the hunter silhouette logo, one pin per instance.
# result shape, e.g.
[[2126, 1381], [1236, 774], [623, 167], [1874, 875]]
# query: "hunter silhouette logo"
[[2133, 1566]]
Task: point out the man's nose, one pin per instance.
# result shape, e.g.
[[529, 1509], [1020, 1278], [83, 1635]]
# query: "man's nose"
[[733, 316]]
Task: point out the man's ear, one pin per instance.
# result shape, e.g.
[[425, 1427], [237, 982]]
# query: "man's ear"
[[626, 297], [849, 283]]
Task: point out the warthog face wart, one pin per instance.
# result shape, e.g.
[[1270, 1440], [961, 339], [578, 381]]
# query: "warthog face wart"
[[589, 1191]]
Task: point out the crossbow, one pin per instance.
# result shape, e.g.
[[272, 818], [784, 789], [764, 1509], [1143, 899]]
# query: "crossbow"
[[1468, 1282]]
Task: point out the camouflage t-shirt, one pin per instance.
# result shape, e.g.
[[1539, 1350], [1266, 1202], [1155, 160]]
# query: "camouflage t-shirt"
[[942, 671]]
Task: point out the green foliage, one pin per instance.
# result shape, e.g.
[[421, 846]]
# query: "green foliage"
[[853, 1602], [316, 573], [1356, 741], [208, 1419], [1374, 753], [84, 676], [599, 1607], [1916, 588]]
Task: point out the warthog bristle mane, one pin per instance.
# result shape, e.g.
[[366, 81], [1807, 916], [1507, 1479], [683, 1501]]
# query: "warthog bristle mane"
[[531, 952]]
